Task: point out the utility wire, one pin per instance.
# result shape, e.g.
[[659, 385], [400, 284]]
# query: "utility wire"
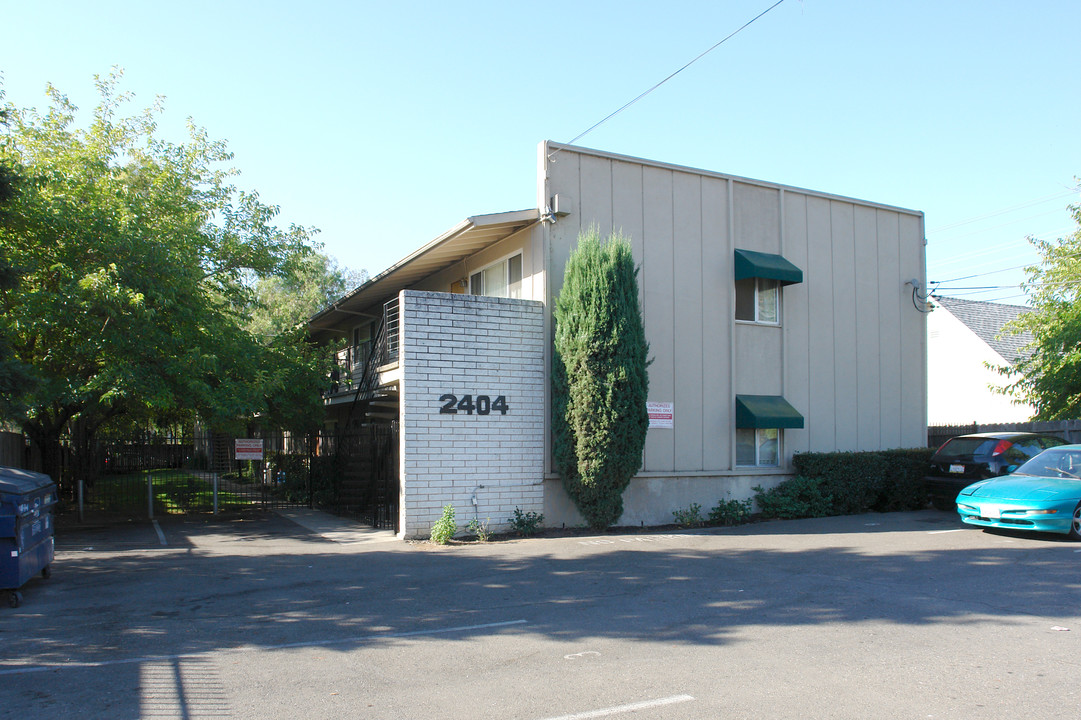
[[996, 213], [990, 272], [677, 72]]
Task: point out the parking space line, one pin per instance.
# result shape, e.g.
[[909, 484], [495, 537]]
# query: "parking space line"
[[161, 535], [605, 712], [942, 532]]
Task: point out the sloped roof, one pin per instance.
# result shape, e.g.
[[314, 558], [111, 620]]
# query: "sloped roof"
[[468, 237], [987, 319]]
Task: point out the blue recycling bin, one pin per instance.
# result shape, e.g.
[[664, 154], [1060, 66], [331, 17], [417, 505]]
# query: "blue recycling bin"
[[26, 528]]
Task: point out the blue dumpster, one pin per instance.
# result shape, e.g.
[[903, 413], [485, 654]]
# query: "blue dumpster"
[[26, 528]]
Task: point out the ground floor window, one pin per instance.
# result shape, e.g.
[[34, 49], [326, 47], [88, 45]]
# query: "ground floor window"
[[758, 447]]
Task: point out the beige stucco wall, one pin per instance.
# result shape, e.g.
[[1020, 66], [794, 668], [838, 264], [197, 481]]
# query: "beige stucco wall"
[[850, 352]]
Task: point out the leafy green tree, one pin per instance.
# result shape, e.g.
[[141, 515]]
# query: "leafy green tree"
[[282, 303], [13, 375], [599, 378], [280, 308], [134, 259], [1049, 376]]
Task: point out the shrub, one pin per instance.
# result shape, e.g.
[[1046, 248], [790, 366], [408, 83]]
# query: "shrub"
[[731, 512], [903, 488], [847, 483], [480, 529], [289, 475], [445, 527], [851, 480], [800, 497], [883, 480], [526, 524], [691, 517]]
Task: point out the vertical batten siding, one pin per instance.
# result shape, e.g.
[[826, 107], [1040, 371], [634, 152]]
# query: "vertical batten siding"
[[846, 340], [758, 218], [596, 193], [890, 308], [659, 307], [687, 321], [797, 320], [868, 327], [564, 177], [818, 277], [759, 350], [849, 354], [716, 313], [913, 339]]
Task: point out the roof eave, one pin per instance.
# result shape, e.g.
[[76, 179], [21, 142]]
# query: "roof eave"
[[464, 239]]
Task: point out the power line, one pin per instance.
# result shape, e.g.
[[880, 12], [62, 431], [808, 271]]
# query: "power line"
[[988, 228], [969, 277], [677, 72], [1008, 248], [996, 213]]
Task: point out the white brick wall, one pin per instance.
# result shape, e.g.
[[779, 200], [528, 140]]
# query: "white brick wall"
[[478, 346]]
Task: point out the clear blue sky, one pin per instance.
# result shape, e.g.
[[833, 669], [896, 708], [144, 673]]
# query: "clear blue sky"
[[385, 124]]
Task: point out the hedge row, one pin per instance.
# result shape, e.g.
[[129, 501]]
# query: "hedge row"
[[847, 483]]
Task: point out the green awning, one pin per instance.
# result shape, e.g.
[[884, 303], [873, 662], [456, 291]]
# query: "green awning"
[[751, 264], [766, 411]]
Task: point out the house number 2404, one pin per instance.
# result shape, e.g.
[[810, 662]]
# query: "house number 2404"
[[482, 404]]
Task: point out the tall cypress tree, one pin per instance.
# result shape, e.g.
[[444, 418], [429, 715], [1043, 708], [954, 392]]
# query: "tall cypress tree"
[[599, 379]]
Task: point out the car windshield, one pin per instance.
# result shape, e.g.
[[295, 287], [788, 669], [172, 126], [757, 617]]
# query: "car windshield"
[[1053, 463], [965, 447]]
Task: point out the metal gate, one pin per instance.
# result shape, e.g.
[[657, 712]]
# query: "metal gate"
[[353, 475], [154, 475]]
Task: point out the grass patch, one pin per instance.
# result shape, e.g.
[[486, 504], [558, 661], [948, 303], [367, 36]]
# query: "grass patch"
[[175, 492]]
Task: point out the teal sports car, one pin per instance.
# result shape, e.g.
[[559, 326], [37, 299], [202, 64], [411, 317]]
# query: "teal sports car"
[[1044, 494]]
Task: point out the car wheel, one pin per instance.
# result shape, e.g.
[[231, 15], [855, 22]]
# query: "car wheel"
[[1075, 523]]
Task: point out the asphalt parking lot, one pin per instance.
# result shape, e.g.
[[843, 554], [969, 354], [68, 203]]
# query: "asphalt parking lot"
[[901, 615]]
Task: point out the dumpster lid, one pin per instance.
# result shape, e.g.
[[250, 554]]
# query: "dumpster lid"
[[21, 482]]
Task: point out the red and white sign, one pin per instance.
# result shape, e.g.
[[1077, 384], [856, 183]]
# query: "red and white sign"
[[249, 449], [661, 414]]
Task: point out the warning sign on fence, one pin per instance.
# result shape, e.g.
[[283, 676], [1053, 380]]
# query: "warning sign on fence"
[[249, 449]]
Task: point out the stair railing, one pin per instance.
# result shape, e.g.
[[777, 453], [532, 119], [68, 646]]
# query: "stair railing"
[[384, 350]]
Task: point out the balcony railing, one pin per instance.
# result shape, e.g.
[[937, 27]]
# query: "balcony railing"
[[383, 350]]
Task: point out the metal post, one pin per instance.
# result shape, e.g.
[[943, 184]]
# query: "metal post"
[[149, 495], [80, 500], [215, 476], [311, 462]]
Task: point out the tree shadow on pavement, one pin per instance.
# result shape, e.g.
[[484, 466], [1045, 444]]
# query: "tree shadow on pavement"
[[263, 584]]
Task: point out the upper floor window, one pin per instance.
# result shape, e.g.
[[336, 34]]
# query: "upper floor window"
[[759, 279], [502, 279], [758, 300]]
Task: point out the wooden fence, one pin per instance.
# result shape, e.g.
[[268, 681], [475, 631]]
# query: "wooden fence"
[[1068, 430]]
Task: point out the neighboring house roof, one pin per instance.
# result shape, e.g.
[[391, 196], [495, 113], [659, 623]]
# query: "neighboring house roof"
[[986, 320]]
